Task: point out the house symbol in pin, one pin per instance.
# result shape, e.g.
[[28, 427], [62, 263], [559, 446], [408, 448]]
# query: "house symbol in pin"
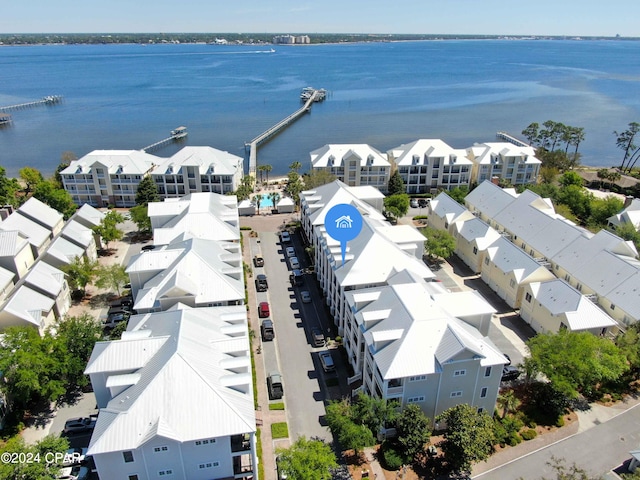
[[344, 222]]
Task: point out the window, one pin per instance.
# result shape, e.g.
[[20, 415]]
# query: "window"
[[133, 477], [164, 448], [486, 260], [418, 378], [206, 465], [475, 250], [480, 410], [128, 456], [487, 372], [206, 441], [567, 278], [613, 307], [415, 399], [459, 373], [527, 297], [456, 394], [162, 473], [483, 392], [512, 283]]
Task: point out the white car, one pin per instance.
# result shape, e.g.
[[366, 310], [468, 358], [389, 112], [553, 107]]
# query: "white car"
[[74, 473], [305, 296], [295, 264], [74, 456], [290, 251], [285, 237], [414, 203]]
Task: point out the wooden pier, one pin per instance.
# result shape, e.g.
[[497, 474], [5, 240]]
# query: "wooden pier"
[[275, 129], [176, 134], [48, 100], [508, 138], [5, 119]]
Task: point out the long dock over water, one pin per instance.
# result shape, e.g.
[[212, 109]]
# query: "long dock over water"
[[508, 138], [315, 95], [176, 134], [48, 100]]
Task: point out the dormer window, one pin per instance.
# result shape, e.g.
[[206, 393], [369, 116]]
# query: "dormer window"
[[416, 159], [370, 160], [332, 160], [119, 170], [170, 170], [211, 169]]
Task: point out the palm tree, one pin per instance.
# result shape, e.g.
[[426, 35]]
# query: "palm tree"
[[508, 402], [257, 198], [295, 166], [275, 198], [267, 169], [261, 169]]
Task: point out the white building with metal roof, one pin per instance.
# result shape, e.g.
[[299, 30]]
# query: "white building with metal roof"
[[555, 305], [82, 236], [15, 253], [175, 397], [207, 216], [428, 165], [51, 282], [38, 236], [487, 200], [198, 169], [42, 214], [515, 164], [27, 307], [630, 214], [6, 282], [473, 237], [444, 212], [196, 272], [62, 252], [353, 164]]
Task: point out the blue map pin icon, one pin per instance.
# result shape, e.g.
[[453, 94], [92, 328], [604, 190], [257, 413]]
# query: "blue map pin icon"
[[343, 223]]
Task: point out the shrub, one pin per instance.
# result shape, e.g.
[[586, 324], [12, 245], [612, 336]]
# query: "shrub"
[[529, 434], [514, 440], [245, 228], [391, 458], [560, 421], [420, 217]]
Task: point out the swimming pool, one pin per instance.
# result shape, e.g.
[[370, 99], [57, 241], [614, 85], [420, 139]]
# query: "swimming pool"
[[265, 202]]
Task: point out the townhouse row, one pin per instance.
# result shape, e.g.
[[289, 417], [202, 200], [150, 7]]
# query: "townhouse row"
[[35, 242], [110, 177], [558, 274], [407, 339], [175, 392]]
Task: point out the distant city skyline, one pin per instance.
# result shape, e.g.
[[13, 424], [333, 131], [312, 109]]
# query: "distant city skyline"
[[465, 17]]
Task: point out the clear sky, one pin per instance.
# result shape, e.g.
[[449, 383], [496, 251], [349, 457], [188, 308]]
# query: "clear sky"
[[498, 17]]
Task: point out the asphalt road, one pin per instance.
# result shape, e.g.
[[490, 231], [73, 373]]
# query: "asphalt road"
[[291, 352]]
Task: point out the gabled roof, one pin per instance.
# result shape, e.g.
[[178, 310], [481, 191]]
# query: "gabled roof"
[[208, 270], [189, 379], [334, 155], [445, 207], [11, 243], [88, 216], [41, 213], [409, 334], [64, 251], [630, 214], [208, 160], [78, 234], [509, 258], [626, 295], [423, 149], [122, 162], [475, 230], [37, 234], [483, 153], [6, 277], [46, 278], [199, 215], [488, 199], [28, 305], [562, 300]]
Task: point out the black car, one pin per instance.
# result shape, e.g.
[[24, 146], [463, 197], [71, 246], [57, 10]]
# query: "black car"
[[423, 202], [261, 283], [509, 373]]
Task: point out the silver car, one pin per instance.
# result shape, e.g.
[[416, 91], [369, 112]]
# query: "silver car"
[[295, 264]]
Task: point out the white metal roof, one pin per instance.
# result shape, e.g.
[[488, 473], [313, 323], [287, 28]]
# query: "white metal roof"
[[509, 258], [484, 151], [64, 251], [88, 216], [476, 230], [423, 149], [46, 278], [28, 305], [41, 212], [488, 199], [184, 391], [445, 207], [37, 234], [123, 162], [207, 160], [334, 155], [11, 243], [77, 233]]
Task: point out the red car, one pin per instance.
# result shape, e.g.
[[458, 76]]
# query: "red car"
[[263, 309]]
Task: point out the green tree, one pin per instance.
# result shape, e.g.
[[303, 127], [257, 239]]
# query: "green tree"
[[459, 193], [373, 412], [629, 343], [112, 277], [294, 186], [147, 191], [439, 243], [577, 199], [246, 187], [508, 402], [571, 178], [548, 174], [576, 362], [469, 436], [31, 177], [8, 188], [140, 216], [78, 335], [625, 142], [603, 208], [307, 460], [65, 160], [396, 206], [260, 169], [80, 273], [34, 367], [316, 178], [531, 133], [395, 186], [413, 430], [351, 435], [275, 198], [37, 470], [57, 198], [258, 199], [108, 229], [629, 231], [295, 166], [267, 169]]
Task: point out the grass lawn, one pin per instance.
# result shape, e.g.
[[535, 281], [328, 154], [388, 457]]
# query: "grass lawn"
[[279, 430], [276, 406]]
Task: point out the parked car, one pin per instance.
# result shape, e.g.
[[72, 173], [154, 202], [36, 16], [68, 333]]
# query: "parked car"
[[266, 330], [508, 359], [282, 475], [274, 385], [116, 317], [327, 361], [261, 283], [147, 248], [263, 309], [296, 277], [317, 337], [509, 373], [74, 473], [305, 296], [74, 456], [295, 264], [285, 237], [258, 261], [80, 424], [414, 203], [423, 202], [290, 252]]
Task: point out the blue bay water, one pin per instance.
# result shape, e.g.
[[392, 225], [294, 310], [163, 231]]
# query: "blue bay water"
[[383, 94]]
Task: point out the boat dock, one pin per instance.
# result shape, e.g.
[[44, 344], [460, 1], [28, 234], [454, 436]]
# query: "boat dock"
[[48, 100], [5, 119], [176, 134], [314, 96], [508, 138]]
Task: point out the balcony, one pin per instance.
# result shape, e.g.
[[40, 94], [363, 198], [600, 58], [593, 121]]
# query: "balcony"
[[240, 443], [395, 391]]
